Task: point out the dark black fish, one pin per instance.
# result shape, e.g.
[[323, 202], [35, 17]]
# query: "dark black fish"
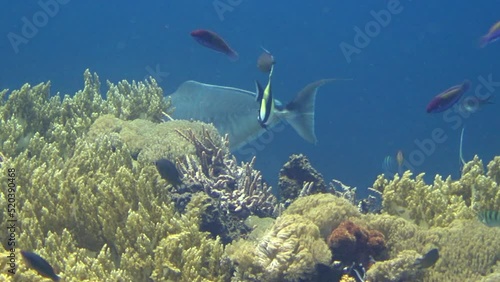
[[265, 61], [40, 265], [427, 260], [168, 171]]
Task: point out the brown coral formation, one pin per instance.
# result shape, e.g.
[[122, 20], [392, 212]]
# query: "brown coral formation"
[[350, 242], [298, 174]]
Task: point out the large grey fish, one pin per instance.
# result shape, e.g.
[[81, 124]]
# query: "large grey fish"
[[234, 111]]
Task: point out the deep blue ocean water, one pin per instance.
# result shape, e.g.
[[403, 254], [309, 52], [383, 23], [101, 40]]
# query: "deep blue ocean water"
[[424, 48]]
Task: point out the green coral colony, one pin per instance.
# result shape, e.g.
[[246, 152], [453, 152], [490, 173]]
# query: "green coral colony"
[[91, 202]]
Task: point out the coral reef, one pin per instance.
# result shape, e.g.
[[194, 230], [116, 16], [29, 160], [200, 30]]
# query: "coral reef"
[[91, 201], [350, 243], [296, 174], [86, 205], [445, 200]]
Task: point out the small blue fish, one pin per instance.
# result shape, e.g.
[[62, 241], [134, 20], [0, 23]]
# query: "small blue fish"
[[490, 218], [448, 98], [40, 265], [492, 35]]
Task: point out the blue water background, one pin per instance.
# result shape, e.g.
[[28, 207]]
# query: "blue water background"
[[426, 48]]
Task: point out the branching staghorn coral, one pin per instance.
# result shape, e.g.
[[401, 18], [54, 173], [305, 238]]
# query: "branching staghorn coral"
[[445, 200], [238, 189]]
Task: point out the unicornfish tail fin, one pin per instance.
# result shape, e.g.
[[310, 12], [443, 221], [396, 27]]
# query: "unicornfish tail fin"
[[299, 113]]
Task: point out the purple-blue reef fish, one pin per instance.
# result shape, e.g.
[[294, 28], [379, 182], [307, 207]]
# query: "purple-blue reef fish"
[[492, 35], [215, 42], [40, 265], [447, 98]]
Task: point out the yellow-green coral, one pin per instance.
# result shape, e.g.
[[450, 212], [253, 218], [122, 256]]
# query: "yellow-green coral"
[[397, 269], [468, 249], [151, 141], [295, 243], [86, 205], [32, 110], [445, 200], [327, 211], [288, 252]]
